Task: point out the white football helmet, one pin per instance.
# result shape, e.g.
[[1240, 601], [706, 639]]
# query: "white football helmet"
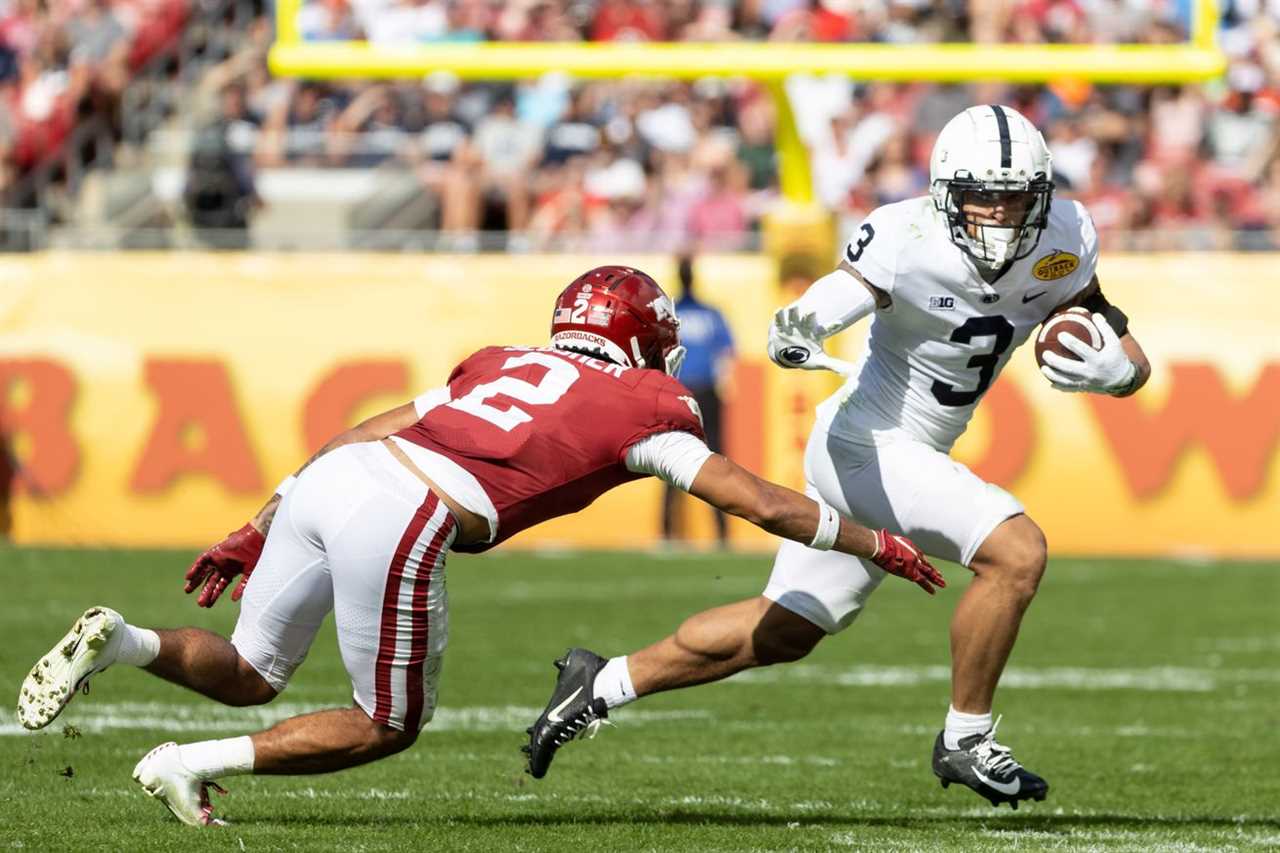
[[988, 154]]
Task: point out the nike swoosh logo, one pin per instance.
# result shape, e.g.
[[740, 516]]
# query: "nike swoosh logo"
[[1009, 788], [554, 716], [1027, 297]]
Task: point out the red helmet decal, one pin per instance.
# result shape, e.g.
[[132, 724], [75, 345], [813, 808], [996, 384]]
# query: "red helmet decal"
[[619, 313]]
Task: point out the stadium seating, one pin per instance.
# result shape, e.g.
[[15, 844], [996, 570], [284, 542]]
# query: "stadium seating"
[[602, 165]]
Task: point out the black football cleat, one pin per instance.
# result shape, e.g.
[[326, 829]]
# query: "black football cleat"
[[572, 711], [988, 768]]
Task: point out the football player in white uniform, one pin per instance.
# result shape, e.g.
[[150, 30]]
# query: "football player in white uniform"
[[956, 281]]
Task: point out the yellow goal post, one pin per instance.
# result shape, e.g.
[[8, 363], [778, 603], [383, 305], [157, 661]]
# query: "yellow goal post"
[[1197, 59]]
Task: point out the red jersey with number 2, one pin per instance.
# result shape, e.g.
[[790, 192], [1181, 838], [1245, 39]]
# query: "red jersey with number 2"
[[546, 432]]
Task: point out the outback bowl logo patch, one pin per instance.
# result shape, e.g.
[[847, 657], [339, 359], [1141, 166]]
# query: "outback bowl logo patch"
[[1055, 266]]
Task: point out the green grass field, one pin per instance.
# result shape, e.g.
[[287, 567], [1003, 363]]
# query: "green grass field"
[[1147, 693]]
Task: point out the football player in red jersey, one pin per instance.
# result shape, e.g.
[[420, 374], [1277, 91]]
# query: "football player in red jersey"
[[517, 436]]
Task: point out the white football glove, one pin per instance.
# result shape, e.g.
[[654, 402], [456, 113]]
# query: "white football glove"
[[795, 340], [1104, 371]]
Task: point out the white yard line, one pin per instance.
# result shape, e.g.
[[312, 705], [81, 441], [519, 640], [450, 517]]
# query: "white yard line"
[[1153, 679], [207, 717]]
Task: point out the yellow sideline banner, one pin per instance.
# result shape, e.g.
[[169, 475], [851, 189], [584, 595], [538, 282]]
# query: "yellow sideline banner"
[[156, 399]]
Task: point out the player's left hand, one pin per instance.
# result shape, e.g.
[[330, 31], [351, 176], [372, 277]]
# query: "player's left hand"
[[899, 556], [1105, 371], [795, 341], [216, 568]]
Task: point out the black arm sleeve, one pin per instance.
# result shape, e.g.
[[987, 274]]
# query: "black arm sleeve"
[[1116, 319]]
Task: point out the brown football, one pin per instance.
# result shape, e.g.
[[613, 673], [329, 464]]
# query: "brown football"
[[1076, 322]]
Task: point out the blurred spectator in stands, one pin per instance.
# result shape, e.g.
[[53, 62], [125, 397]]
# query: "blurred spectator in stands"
[[7, 134], [618, 214], [718, 216], [837, 166], [708, 364], [1177, 124], [664, 119], [219, 193], [1242, 129], [629, 20], [369, 131], [328, 20], [756, 151], [406, 21], [97, 36], [467, 20], [575, 133], [296, 132], [1269, 202], [560, 213], [1073, 153], [712, 21], [8, 59], [1110, 204], [535, 20], [893, 174], [507, 150], [445, 161]]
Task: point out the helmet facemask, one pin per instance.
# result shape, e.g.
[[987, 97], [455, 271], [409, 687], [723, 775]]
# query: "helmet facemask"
[[991, 243]]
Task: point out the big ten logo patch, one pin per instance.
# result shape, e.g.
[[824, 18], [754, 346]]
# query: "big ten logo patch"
[[942, 303]]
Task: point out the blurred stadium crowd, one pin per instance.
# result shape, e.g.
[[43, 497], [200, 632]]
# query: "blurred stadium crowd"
[[589, 165]]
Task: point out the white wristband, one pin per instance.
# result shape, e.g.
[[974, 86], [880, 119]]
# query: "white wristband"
[[285, 485], [828, 528]]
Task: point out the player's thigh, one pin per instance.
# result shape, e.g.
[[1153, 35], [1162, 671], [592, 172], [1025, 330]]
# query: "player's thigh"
[[390, 599], [911, 488], [290, 591], [826, 588]]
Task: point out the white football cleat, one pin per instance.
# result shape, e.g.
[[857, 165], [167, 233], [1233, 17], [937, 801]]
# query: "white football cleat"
[[88, 648], [162, 775]]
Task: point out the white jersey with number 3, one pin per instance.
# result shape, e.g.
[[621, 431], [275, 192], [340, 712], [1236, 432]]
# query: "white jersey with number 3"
[[938, 347]]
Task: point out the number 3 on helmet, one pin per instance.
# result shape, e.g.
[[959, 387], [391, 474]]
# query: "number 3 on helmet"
[[622, 315]]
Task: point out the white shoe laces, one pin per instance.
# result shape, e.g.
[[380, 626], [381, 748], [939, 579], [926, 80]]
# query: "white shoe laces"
[[994, 756], [585, 726]]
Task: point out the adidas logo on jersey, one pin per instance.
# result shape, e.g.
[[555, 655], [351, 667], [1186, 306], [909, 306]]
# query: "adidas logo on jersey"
[[942, 303]]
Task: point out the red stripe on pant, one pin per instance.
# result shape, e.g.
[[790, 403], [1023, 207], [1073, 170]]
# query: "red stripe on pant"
[[390, 604], [422, 626]]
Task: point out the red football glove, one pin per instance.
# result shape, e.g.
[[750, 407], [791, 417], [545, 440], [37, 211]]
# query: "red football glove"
[[899, 556], [218, 567]]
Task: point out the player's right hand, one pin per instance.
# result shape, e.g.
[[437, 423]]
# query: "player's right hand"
[[899, 556], [218, 567], [795, 340]]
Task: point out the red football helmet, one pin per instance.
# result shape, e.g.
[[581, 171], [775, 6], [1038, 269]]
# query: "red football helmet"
[[621, 314]]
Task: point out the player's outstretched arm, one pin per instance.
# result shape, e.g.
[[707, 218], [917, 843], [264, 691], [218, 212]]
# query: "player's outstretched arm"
[[729, 487], [832, 304], [238, 553]]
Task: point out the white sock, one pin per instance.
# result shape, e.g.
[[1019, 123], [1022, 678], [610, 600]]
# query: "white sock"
[[138, 646], [961, 725], [613, 683], [214, 759]]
